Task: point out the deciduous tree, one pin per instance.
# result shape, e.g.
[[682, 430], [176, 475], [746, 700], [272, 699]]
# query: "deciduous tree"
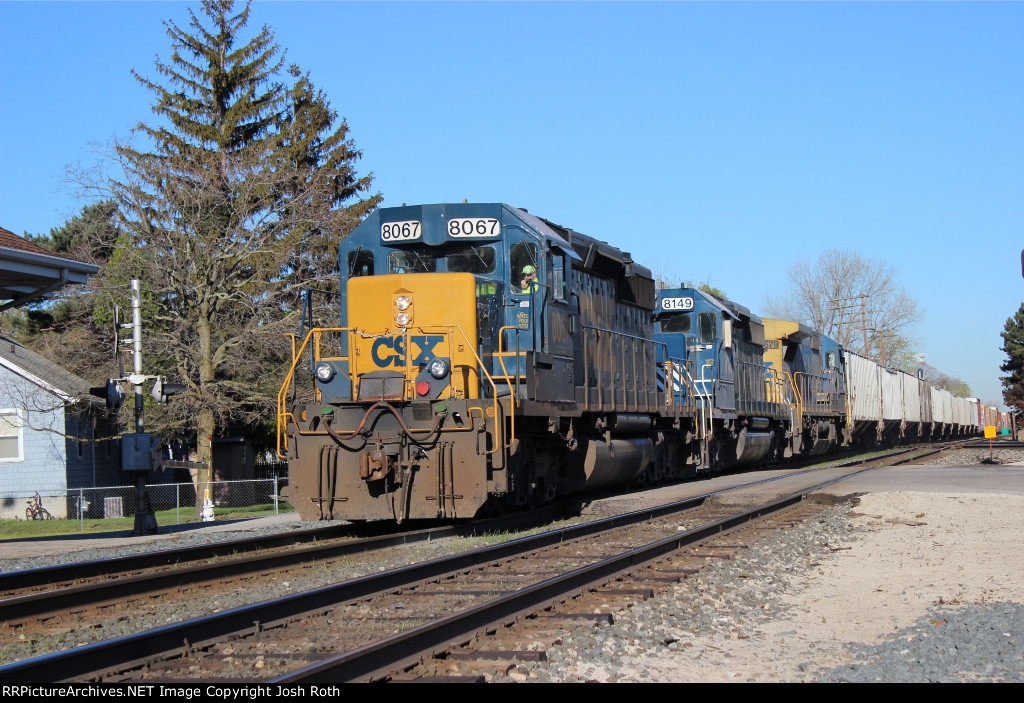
[[954, 385], [855, 300]]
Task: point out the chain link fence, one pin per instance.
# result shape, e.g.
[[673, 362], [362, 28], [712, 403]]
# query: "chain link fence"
[[173, 503]]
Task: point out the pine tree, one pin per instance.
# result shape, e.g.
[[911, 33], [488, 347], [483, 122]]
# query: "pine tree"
[[316, 148], [215, 201], [1013, 346]]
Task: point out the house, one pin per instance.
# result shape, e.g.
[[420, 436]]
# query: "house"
[[52, 434], [54, 438]]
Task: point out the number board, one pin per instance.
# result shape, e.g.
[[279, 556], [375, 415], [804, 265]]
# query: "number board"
[[677, 303], [400, 231], [474, 227]]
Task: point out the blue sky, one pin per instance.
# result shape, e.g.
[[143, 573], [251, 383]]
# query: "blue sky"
[[714, 141]]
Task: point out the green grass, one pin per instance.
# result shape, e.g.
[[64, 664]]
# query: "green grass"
[[22, 529]]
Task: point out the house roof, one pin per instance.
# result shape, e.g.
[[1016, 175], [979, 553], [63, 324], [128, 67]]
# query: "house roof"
[[29, 273], [41, 371]]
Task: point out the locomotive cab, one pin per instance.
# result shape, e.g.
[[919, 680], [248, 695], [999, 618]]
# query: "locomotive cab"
[[483, 358], [815, 363], [521, 272], [719, 344]]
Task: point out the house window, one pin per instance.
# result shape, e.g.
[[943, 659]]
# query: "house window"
[[81, 426], [10, 436]]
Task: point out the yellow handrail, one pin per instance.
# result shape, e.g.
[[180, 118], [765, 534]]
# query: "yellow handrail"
[[513, 393], [316, 334]]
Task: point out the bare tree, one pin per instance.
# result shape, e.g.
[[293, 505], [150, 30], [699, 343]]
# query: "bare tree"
[[855, 300], [952, 384]]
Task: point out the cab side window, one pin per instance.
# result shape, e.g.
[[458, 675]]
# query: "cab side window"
[[523, 274], [360, 263], [706, 327], [558, 275]]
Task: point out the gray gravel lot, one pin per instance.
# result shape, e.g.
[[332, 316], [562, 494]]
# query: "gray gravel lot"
[[694, 630]]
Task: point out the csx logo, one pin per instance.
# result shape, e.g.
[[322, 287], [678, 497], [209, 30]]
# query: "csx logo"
[[390, 351]]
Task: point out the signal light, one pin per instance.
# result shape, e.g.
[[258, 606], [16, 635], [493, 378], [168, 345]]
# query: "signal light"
[[112, 392], [162, 392]]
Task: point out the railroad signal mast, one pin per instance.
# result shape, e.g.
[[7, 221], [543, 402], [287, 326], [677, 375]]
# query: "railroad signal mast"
[[140, 451]]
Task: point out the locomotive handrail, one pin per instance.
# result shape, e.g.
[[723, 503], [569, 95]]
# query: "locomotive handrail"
[[513, 393], [827, 384], [501, 360], [778, 381], [707, 416], [315, 334], [282, 414], [487, 375], [673, 395], [799, 396]]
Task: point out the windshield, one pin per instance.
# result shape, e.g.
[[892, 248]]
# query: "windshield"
[[676, 323], [412, 260], [464, 258], [470, 259]]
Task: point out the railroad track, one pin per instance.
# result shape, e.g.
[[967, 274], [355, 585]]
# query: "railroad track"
[[44, 594], [995, 444], [238, 643]]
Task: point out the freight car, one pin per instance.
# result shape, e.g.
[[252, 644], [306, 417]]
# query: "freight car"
[[487, 359]]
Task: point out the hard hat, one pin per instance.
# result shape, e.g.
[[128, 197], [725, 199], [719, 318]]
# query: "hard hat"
[[529, 269]]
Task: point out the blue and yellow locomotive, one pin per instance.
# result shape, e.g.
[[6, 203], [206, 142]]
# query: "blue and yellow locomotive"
[[485, 357], [715, 349]]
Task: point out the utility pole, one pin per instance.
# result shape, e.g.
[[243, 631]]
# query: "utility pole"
[[846, 308]]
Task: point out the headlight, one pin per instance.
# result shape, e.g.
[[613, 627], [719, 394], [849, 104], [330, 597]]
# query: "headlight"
[[324, 371], [402, 319], [402, 303], [438, 368]]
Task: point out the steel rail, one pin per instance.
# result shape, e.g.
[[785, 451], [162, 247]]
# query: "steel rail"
[[46, 575], [21, 608], [377, 660], [94, 660]]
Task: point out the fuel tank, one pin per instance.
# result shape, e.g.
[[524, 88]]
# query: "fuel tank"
[[599, 464]]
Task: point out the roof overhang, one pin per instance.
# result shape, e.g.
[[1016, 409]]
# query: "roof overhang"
[[27, 277]]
